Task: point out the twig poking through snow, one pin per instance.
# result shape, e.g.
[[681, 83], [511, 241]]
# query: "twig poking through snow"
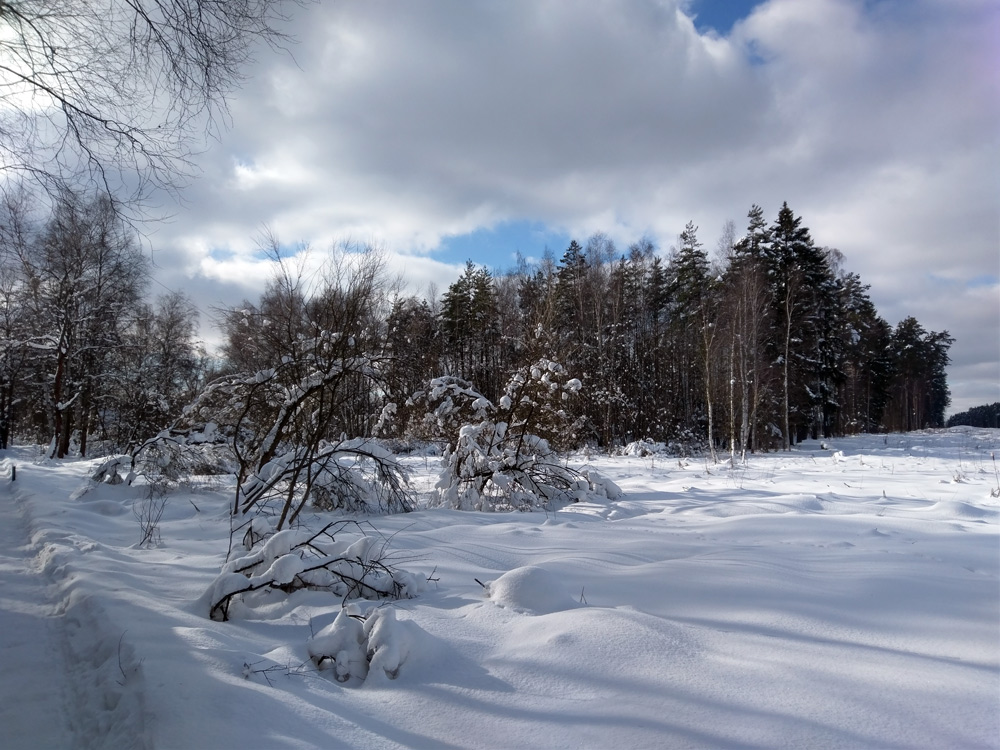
[[121, 669], [995, 492]]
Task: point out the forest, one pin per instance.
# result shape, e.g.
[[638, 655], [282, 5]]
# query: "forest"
[[766, 342], [985, 415]]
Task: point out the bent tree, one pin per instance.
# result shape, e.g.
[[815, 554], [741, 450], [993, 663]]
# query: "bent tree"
[[303, 402]]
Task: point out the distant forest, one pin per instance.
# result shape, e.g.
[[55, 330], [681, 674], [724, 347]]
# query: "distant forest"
[[772, 342], [987, 415], [766, 343]]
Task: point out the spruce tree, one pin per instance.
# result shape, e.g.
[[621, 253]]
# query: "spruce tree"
[[693, 325], [804, 299]]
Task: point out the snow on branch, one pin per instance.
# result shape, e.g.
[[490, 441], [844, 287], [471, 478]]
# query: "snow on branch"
[[500, 456], [358, 567]]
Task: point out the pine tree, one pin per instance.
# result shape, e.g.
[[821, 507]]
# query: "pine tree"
[[468, 326], [570, 304], [867, 362], [414, 345], [804, 300], [694, 327], [919, 393]]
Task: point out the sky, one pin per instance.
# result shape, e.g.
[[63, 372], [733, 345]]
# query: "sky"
[[445, 131]]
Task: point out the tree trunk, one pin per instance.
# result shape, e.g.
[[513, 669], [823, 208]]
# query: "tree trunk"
[[786, 405], [58, 417]]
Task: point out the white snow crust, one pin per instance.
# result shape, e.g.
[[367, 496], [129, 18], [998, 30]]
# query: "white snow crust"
[[845, 594]]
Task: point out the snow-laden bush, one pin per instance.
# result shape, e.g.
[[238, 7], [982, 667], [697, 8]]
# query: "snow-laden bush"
[[306, 392], [159, 465], [645, 447], [363, 648], [685, 444], [278, 424], [355, 567], [355, 475], [169, 458], [446, 405], [499, 456]]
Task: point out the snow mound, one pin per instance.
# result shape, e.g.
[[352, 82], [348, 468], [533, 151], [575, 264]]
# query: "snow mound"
[[389, 643], [340, 647], [959, 510], [363, 649], [530, 590]]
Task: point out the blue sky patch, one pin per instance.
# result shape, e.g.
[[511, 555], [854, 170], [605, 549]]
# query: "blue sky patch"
[[497, 247], [720, 15], [984, 280]]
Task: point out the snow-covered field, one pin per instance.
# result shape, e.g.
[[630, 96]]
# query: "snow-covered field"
[[841, 595]]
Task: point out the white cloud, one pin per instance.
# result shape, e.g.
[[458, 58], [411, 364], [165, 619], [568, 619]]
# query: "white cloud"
[[879, 123]]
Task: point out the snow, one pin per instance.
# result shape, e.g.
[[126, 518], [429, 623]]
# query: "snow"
[[531, 590], [30, 638], [843, 594]]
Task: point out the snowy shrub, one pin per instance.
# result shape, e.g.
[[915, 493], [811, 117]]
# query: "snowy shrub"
[[357, 567], [158, 466], [363, 647], [356, 475], [169, 458], [685, 443], [280, 425], [499, 457], [446, 405], [306, 394], [643, 448]]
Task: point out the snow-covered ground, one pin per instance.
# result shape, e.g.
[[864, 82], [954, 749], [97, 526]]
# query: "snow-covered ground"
[[841, 595]]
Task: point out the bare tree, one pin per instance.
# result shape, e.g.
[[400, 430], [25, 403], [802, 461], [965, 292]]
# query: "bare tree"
[[303, 403], [153, 374], [15, 236], [108, 94], [746, 313], [83, 277]]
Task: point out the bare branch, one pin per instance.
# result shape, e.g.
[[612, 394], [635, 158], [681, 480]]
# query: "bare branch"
[[112, 94]]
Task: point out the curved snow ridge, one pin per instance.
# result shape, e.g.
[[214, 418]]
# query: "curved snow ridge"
[[584, 654], [566, 641], [105, 687], [731, 506], [959, 510]]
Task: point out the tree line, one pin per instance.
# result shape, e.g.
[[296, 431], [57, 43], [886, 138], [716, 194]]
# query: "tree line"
[[83, 355], [985, 415], [768, 343]]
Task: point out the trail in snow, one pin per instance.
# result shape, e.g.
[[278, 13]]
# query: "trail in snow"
[[69, 675], [32, 666]]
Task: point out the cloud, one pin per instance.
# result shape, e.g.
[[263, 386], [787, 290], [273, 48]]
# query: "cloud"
[[404, 123]]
